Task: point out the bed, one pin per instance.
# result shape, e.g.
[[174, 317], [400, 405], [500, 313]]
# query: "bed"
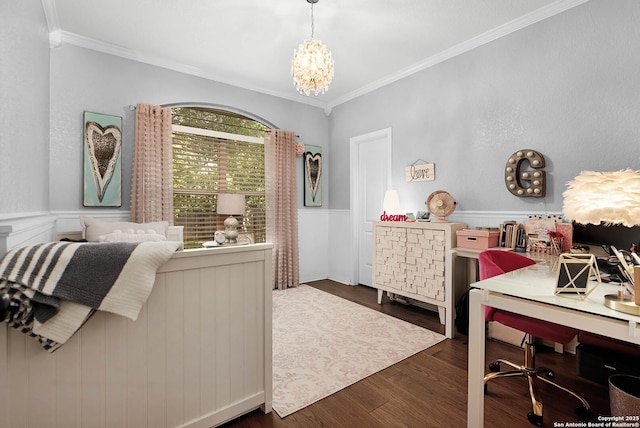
[[198, 355]]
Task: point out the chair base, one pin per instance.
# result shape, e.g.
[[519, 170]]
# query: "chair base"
[[532, 374]]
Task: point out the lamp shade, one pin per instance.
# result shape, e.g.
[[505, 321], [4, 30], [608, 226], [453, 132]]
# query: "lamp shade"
[[391, 203], [230, 203], [604, 197]]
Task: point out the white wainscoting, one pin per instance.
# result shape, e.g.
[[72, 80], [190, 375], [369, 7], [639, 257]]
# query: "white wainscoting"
[[69, 221], [324, 234], [341, 260], [20, 229], [313, 244]]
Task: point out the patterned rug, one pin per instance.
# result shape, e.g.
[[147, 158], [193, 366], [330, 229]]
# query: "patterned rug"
[[323, 343]]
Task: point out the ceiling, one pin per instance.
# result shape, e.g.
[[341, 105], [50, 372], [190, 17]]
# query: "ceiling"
[[249, 43]]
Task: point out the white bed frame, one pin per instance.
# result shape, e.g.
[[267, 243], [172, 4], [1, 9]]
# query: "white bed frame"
[[198, 355]]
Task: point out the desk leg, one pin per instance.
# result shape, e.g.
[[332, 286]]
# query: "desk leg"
[[472, 270], [475, 381]]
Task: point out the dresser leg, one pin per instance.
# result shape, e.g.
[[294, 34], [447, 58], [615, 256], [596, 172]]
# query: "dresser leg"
[[380, 296]]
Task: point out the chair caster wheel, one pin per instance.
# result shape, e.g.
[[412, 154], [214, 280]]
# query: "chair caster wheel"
[[534, 419], [582, 411], [494, 367]]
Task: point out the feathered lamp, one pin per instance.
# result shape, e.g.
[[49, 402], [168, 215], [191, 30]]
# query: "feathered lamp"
[[604, 197], [607, 198]]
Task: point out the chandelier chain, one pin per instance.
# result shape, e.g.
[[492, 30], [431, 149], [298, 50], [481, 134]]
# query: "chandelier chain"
[[312, 23]]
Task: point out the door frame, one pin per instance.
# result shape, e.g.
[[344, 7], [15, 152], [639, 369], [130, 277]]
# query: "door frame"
[[354, 187]]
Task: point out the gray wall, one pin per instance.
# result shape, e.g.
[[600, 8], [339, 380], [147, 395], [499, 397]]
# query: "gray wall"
[[24, 108], [86, 80], [567, 87]]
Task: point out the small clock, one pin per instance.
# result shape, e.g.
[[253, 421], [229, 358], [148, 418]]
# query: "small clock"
[[220, 237]]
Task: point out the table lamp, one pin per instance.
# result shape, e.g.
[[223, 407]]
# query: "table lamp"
[[230, 204], [607, 198], [391, 202]]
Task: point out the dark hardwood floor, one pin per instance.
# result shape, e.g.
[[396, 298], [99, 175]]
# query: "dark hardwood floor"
[[429, 389]]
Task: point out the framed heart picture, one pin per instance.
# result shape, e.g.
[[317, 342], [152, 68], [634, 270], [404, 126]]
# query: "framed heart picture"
[[312, 176], [102, 166]]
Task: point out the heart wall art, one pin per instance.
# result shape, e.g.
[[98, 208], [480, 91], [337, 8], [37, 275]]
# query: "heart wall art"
[[312, 176], [102, 164]]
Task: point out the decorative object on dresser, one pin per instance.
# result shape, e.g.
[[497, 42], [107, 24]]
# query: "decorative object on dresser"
[[414, 260], [441, 204], [391, 207]]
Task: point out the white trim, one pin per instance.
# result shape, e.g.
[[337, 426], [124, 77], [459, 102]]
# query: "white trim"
[[21, 229], [216, 134], [354, 143], [51, 15], [493, 218], [57, 37], [111, 49], [466, 46]]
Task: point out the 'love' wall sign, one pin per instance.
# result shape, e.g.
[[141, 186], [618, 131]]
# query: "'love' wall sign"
[[421, 172]]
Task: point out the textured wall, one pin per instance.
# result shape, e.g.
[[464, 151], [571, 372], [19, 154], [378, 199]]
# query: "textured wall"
[[566, 87], [24, 108], [86, 80]]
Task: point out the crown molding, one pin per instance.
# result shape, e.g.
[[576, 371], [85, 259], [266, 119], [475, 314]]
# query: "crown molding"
[[487, 37], [57, 37], [112, 49], [51, 15]]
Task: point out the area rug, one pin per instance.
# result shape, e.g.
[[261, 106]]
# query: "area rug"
[[323, 343]]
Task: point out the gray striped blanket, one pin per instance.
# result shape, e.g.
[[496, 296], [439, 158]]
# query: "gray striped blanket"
[[55, 287]]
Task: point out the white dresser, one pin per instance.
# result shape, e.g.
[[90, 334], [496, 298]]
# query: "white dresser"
[[413, 259]]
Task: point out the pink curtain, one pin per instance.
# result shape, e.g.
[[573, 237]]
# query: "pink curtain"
[[282, 208], [152, 179]]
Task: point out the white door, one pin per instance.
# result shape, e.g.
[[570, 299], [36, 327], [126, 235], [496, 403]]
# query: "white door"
[[370, 178]]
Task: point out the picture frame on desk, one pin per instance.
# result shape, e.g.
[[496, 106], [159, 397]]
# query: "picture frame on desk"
[[574, 272]]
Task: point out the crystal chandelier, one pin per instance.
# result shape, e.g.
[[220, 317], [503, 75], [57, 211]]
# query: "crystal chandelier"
[[312, 66]]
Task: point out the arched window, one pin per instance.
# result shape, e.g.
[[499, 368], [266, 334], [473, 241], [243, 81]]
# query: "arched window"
[[217, 151]]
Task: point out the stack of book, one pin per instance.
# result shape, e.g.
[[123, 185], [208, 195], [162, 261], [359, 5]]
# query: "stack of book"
[[512, 235]]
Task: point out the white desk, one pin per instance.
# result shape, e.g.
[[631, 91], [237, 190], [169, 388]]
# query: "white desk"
[[530, 291]]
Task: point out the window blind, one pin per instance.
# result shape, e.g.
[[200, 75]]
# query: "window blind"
[[206, 165]]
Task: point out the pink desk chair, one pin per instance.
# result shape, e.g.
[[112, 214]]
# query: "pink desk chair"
[[496, 262]]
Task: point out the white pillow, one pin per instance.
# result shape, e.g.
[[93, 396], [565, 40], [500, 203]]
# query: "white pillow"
[[93, 228], [130, 235]]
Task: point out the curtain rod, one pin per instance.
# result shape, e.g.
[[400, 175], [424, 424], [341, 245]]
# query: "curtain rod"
[[269, 130]]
